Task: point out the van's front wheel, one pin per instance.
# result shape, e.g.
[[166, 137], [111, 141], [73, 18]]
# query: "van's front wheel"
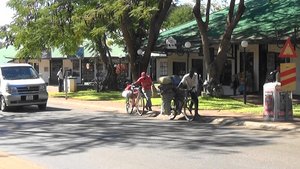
[[3, 105], [42, 106]]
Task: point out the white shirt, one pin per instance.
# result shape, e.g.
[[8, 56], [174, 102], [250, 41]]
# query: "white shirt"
[[60, 75], [190, 82]]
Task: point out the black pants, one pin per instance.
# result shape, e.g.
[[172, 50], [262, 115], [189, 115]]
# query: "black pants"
[[60, 85], [195, 101]]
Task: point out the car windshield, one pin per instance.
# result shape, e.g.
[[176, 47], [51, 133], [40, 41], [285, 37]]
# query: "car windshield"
[[17, 73]]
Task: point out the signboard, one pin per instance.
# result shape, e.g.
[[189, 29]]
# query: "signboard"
[[171, 43], [288, 76], [288, 50], [80, 52]]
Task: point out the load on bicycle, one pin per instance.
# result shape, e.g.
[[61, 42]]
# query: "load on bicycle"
[[134, 99], [180, 96]]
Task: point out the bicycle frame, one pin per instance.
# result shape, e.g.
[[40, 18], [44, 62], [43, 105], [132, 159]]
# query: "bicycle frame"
[[185, 104], [137, 101]]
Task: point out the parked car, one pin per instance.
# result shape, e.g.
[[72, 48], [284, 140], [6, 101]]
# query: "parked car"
[[21, 85]]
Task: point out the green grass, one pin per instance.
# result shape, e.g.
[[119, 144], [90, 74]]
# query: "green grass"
[[90, 95], [205, 103]]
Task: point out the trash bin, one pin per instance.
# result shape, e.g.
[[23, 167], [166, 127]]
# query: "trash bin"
[[277, 103], [72, 86]]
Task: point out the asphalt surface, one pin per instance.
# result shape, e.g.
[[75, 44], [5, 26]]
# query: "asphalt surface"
[[218, 118]]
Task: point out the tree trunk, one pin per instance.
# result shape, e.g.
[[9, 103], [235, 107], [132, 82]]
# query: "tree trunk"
[[214, 66], [111, 76], [155, 26], [134, 39]]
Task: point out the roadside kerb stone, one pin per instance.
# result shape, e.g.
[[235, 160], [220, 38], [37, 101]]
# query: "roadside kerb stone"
[[253, 124], [211, 117]]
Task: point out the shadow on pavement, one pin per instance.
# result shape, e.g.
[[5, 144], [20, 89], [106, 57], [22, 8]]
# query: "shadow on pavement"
[[57, 134]]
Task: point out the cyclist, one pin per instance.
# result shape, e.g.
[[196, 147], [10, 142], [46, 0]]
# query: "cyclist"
[[146, 82], [190, 80]]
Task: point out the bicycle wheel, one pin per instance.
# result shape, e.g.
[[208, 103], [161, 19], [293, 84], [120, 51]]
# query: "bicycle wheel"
[[189, 110], [129, 106], [173, 110], [141, 106]]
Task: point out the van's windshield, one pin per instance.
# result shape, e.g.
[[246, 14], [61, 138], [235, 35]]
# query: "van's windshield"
[[17, 73]]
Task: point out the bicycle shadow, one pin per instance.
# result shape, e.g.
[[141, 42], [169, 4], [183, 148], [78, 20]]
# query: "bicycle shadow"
[[151, 113]]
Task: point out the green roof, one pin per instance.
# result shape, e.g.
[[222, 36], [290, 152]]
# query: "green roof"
[[260, 21], [7, 54]]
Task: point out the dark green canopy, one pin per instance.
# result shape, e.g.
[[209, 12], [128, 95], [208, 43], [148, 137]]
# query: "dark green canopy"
[[262, 21]]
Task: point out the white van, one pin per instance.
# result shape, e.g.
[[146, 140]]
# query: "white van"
[[21, 85]]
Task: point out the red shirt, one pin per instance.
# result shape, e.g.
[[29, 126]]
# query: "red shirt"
[[146, 82], [128, 87]]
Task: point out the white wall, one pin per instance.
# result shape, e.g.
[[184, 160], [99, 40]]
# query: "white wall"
[[67, 64], [44, 68]]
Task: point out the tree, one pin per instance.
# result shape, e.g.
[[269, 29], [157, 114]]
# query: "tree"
[[141, 23], [214, 66], [65, 24], [178, 15], [62, 24]]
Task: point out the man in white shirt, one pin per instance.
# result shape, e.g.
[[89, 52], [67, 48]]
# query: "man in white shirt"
[[60, 78], [190, 80]]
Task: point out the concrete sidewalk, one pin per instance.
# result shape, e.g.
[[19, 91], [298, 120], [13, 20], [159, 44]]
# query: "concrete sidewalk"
[[8, 161], [216, 117]]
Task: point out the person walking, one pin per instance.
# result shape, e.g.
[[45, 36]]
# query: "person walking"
[[190, 80], [60, 77], [146, 82]]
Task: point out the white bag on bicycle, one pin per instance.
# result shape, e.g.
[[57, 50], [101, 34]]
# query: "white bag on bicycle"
[[126, 93]]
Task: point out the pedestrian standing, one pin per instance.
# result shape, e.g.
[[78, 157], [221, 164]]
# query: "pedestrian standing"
[[146, 82], [60, 77]]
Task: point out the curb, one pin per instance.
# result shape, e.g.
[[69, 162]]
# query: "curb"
[[254, 125], [208, 118]]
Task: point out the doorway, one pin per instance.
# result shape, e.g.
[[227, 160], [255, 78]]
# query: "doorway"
[[55, 65], [179, 68]]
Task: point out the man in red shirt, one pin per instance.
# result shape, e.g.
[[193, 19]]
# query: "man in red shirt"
[[146, 82]]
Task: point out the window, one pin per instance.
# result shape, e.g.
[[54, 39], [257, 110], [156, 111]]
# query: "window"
[[18, 73], [75, 67], [163, 68], [179, 68]]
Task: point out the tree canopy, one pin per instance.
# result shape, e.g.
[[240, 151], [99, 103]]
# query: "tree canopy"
[[178, 15], [66, 24]]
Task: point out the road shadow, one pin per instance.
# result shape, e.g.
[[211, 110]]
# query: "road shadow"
[[33, 109], [55, 133]]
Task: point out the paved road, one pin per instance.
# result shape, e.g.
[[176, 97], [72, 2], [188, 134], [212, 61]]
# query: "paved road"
[[74, 136]]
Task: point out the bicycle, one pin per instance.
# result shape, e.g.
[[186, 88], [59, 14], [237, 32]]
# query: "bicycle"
[[182, 100], [213, 89], [97, 83], [136, 101]]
